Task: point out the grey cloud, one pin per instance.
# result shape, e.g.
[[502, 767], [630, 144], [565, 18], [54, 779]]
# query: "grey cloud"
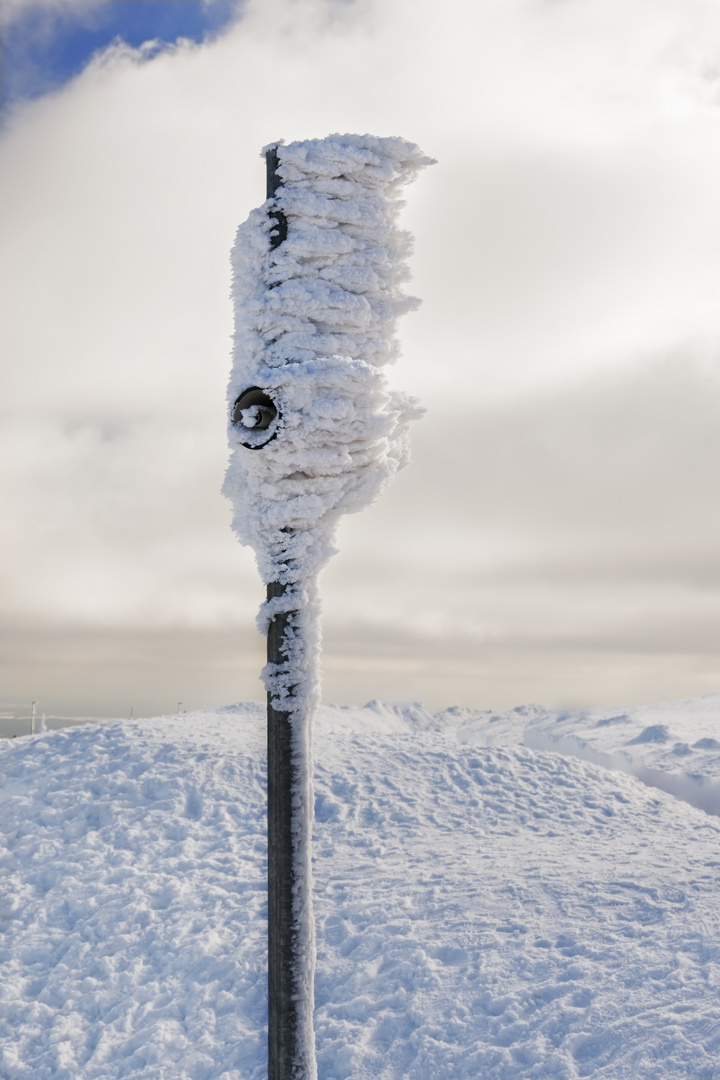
[[105, 670], [632, 453], [556, 536]]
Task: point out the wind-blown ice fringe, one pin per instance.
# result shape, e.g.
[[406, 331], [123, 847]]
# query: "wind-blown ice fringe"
[[314, 326]]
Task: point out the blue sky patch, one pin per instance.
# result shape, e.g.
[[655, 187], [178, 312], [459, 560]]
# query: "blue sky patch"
[[45, 49]]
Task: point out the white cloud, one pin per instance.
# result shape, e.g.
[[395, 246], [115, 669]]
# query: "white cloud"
[[567, 235]]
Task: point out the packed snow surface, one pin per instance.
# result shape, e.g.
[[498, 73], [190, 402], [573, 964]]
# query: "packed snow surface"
[[484, 908]]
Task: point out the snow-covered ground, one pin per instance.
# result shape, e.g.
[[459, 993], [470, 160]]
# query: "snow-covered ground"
[[488, 903]]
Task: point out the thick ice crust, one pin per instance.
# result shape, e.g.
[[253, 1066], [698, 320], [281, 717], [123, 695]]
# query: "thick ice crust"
[[314, 325]]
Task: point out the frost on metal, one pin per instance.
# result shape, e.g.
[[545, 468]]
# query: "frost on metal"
[[314, 327], [321, 434]]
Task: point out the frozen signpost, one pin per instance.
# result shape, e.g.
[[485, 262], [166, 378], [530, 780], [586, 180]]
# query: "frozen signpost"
[[314, 434]]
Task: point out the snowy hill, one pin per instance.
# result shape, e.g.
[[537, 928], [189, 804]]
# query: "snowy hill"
[[485, 908], [674, 746]]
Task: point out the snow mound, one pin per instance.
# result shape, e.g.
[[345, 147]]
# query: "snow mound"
[[656, 733], [494, 911], [670, 746]]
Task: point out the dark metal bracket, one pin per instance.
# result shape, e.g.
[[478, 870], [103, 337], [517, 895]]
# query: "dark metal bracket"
[[263, 411]]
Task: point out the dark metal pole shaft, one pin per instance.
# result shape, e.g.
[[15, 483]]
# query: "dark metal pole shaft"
[[278, 233], [283, 1003], [286, 1008]]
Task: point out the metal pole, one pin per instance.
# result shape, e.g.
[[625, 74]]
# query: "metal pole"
[[278, 233], [283, 1002], [286, 1007]]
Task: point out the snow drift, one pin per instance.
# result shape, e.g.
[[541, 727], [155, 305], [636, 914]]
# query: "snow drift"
[[482, 911], [673, 746]]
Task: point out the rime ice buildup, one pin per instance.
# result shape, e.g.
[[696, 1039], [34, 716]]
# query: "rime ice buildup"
[[314, 433], [314, 327]]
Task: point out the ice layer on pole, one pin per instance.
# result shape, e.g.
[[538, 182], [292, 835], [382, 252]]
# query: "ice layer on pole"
[[314, 431], [314, 327]]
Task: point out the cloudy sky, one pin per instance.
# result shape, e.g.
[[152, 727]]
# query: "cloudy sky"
[[557, 538]]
